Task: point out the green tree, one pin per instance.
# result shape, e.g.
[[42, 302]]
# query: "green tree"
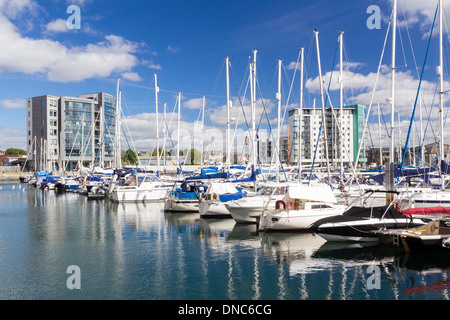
[[194, 156], [130, 157], [14, 151]]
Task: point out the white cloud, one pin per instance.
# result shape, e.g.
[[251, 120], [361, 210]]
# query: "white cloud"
[[12, 138], [150, 64], [173, 49], [13, 104], [59, 62], [132, 76], [195, 103], [56, 26], [13, 8], [219, 115]]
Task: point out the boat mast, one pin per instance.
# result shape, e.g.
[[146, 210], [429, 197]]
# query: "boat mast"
[[178, 124], [441, 93], [278, 96], [324, 119], [379, 134], [157, 123], [254, 144], [341, 89], [203, 132], [392, 100], [117, 159], [300, 156], [228, 151], [389, 182]]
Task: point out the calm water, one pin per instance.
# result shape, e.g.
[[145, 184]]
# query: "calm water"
[[137, 251]]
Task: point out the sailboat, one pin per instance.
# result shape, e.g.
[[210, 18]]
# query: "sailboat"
[[185, 196], [300, 207], [143, 186], [359, 223], [250, 208], [439, 197]]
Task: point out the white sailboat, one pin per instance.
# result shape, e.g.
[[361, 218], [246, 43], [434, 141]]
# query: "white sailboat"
[[144, 187], [439, 197], [249, 209], [300, 207]]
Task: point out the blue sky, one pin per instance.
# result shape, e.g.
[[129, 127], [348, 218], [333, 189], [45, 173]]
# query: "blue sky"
[[186, 42]]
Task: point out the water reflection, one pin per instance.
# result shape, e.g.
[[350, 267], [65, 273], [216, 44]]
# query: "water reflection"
[[138, 251]]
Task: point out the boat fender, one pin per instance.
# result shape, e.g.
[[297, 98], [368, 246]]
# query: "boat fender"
[[200, 196], [280, 203], [215, 196]]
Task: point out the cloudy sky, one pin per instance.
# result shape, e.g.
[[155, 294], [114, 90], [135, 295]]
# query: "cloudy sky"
[[186, 42]]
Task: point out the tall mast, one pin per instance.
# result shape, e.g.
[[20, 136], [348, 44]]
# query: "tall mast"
[[165, 137], [394, 32], [157, 123], [441, 93], [278, 96], [341, 89], [254, 144], [379, 133], [228, 151], [117, 160], [203, 132], [300, 156], [324, 119], [178, 124]]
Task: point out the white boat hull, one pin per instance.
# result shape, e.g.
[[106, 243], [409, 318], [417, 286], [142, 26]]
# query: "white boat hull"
[[248, 210], [297, 219], [176, 205], [210, 209], [130, 194]]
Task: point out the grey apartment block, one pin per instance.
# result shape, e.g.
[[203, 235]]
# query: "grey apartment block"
[[69, 132]]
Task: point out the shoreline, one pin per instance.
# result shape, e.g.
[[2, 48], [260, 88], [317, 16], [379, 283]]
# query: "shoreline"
[[10, 177]]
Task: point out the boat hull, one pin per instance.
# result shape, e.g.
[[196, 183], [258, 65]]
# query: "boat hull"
[[176, 205], [210, 209], [249, 210], [295, 220], [122, 195], [362, 230]]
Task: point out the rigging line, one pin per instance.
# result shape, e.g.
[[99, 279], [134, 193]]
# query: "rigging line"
[[401, 42], [239, 97], [323, 115], [128, 128], [271, 131], [373, 94], [410, 41]]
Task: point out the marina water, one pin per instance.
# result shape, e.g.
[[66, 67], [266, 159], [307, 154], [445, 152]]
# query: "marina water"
[[137, 251]]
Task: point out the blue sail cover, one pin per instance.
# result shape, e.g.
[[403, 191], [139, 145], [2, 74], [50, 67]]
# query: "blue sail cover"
[[219, 175], [445, 167]]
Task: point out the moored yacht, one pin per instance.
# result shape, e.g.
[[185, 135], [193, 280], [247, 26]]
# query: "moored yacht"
[[140, 188], [362, 223], [248, 209], [301, 206]]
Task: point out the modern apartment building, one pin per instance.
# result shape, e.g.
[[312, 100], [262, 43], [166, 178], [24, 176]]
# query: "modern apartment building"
[[70, 132], [307, 135]]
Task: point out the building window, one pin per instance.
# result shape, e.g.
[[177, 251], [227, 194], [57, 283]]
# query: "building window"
[[51, 113], [42, 103]]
